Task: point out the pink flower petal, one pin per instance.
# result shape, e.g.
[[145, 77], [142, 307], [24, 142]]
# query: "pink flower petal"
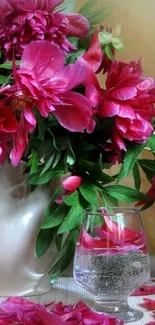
[[19, 143], [75, 74], [75, 113], [17, 310], [144, 291], [109, 108], [94, 54], [30, 118], [48, 5], [126, 111], [72, 183], [78, 25], [93, 94], [118, 140], [91, 76], [123, 93], [91, 125], [42, 62], [6, 7], [149, 304], [145, 85]]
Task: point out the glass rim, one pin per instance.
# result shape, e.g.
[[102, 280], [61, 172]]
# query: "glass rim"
[[112, 210]]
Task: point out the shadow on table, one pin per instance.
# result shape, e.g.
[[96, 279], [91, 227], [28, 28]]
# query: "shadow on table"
[[66, 296]]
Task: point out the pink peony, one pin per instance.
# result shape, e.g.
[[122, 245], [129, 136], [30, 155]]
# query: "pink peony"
[[44, 79], [129, 98], [70, 185], [45, 82], [25, 21]]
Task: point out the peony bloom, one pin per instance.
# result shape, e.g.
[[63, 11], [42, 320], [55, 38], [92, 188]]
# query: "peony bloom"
[[45, 82], [125, 92], [24, 21], [70, 185]]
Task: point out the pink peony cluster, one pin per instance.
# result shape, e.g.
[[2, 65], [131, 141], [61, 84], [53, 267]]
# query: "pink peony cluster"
[[24, 21], [128, 98], [36, 33]]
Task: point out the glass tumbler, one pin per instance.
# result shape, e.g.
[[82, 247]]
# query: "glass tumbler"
[[111, 260]]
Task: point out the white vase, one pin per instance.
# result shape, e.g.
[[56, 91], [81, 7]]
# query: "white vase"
[[21, 215]]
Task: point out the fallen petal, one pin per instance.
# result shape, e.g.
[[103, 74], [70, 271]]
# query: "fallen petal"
[[144, 291]]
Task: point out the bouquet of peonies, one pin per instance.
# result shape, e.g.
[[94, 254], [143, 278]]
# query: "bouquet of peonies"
[[57, 117]]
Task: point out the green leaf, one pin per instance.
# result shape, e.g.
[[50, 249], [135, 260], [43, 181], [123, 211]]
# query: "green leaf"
[[117, 44], [130, 158], [151, 142], [72, 199], [56, 218], [148, 167], [108, 52], [51, 162], [89, 192], [44, 241], [86, 10], [99, 15], [36, 179], [112, 199], [48, 164], [70, 155], [136, 176], [54, 140], [125, 194], [73, 57], [95, 17], [58, 240], [4, 80], [64, 256], [147, 206], [34, 162], [8, 65], [42, 126], [67, 6], [96, 171], [73, 219], [52, 201]]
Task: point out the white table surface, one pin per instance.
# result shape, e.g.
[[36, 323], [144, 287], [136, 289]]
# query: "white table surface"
[[69, 292]]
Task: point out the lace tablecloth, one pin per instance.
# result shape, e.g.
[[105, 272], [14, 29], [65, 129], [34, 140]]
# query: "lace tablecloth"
[[69, 292]]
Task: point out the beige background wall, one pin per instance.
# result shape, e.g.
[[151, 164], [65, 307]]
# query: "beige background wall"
[[138, 31]]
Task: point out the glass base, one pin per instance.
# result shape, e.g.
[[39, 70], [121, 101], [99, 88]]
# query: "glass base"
[[119, 309]]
